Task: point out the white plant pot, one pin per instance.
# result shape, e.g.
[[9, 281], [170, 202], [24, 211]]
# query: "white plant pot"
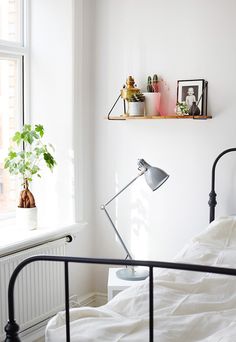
[[152, 104], [136, 108], [26, 218]]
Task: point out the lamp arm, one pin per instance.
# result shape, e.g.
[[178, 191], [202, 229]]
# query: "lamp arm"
[[117, 233], [118, 193], [103, 207]]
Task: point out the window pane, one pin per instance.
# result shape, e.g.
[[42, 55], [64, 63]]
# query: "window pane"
[[10, 20], [9, 123]]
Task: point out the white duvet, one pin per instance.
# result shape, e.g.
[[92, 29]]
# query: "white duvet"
[[189, 306]]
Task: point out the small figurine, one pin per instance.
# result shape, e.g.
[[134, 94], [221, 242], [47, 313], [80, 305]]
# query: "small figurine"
[[130, 89]]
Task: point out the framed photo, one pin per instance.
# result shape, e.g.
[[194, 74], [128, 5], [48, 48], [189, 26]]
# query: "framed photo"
[[190, 92]]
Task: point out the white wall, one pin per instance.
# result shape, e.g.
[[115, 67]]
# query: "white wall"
[[113, 39], [183, 39], [52, 103], [55, 96]]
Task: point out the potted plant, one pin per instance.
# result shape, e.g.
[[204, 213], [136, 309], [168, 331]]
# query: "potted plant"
[[152, 97], [136, 105], [27, 154]]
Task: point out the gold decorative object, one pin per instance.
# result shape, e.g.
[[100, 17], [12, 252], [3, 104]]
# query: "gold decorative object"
[[129, 90]]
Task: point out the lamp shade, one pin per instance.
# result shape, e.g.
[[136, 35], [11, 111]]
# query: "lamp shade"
[[154, 176]]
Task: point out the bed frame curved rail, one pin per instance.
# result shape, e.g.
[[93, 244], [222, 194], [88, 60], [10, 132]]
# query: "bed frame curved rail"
[[12, 327], [212, 195]]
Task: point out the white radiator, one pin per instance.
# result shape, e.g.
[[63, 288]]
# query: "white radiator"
[[39, 288]]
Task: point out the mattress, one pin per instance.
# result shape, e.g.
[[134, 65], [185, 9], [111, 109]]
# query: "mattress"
[[188, 306]]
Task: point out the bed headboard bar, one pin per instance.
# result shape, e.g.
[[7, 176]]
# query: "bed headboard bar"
[[212, 195]]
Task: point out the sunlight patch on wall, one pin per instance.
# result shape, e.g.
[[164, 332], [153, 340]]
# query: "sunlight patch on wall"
[[139, 217]]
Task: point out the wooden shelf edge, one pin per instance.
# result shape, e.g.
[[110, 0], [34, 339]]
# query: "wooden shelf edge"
[[160, 117]]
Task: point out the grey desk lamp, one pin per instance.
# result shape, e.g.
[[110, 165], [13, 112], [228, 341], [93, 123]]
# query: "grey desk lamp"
[[155, 177]]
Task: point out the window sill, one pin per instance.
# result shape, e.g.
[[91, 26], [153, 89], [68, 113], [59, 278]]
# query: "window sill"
[[13, 240]]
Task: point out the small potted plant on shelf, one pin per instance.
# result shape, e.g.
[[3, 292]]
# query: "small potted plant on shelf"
[[152, 97], [136, 105], [25, 158]]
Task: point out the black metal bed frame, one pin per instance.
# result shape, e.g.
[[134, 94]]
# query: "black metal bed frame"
[[212, 195], [12, 328]]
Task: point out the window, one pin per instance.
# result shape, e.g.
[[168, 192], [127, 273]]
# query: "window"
[[11, 23], [12, 61]]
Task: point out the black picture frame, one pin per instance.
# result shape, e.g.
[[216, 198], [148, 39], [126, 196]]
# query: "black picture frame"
[[189, 91]]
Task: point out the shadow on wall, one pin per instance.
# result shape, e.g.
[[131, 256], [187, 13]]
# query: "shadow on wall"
[[131, 218], [139, 228]]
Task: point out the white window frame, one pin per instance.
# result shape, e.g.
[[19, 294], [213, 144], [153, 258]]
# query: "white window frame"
[[12, 45], [12, 49], [19, 51]]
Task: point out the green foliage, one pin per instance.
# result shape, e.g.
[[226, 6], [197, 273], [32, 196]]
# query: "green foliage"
[[152, 84], [182, 108], [149, 85], [139, 97], [28, 153], [155, 78]]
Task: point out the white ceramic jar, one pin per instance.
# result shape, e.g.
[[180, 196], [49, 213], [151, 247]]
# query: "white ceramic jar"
[[26, 218], [136, 108], [152, 104]]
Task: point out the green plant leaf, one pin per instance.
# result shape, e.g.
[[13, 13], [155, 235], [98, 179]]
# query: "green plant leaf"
[[49, 160], [29, 137], [7, 163], [35, 135], [17, 137], [12, 155], [39, 129], [22, 154], [39, 151], [27, 162], [34, 170], [27, 128]]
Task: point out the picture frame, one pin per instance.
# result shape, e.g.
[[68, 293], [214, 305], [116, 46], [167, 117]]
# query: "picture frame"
[[189, 91]]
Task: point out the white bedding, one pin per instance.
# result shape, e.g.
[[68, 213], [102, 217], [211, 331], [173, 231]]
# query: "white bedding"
[[188, 307]]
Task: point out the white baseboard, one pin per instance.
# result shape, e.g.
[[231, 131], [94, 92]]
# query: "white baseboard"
[[36, 333]]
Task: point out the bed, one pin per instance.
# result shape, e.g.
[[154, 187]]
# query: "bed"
[[191, 299], [188, 306]]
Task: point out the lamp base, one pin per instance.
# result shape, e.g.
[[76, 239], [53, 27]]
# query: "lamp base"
[[132, 273]]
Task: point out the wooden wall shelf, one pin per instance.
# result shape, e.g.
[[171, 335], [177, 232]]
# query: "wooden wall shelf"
[[160, 117]]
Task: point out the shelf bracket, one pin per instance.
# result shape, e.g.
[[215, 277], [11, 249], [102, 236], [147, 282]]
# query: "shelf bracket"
[[108, 116]]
